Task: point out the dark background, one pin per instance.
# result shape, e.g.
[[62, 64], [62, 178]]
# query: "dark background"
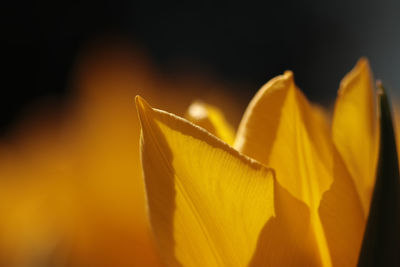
[[241, 42]]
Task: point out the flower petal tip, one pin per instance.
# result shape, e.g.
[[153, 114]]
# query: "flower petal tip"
[[363, 61], [281, 82], [288, 74], [143, 108], [362, 67], [141, 104]]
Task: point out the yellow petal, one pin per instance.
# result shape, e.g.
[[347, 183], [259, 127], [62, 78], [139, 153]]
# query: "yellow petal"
[[342, 217], [211, 119], [287, 239], [354, 128], [207, 203], [282, 130], [211, 206]]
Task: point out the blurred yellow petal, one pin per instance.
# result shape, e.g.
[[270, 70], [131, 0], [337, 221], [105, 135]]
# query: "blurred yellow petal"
[[211, 119], [207, 209], [354, 128], [282, 130]]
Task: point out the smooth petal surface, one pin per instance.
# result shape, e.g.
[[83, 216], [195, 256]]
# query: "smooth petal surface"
[[288, 238], [211, 119], [211, 206], [207, 202], [354, 128], [282, 130], [342, 216]]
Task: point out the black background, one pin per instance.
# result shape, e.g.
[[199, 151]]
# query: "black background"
[[239, 41]]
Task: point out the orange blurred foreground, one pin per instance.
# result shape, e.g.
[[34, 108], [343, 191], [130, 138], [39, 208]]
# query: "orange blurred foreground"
[[71, 189]]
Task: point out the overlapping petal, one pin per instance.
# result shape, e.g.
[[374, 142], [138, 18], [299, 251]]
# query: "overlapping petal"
[[282, 130], [219, 208], [316, 208], [354, 128]]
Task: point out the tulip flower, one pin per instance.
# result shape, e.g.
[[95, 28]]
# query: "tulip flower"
[[291, 191]]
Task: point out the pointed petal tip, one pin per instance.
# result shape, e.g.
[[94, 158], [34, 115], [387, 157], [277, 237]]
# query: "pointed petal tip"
[[288, 74], [142, 107], [362, 67], [287, 77], [141, 104], [279, 82], [363, 61], [137, 99]]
